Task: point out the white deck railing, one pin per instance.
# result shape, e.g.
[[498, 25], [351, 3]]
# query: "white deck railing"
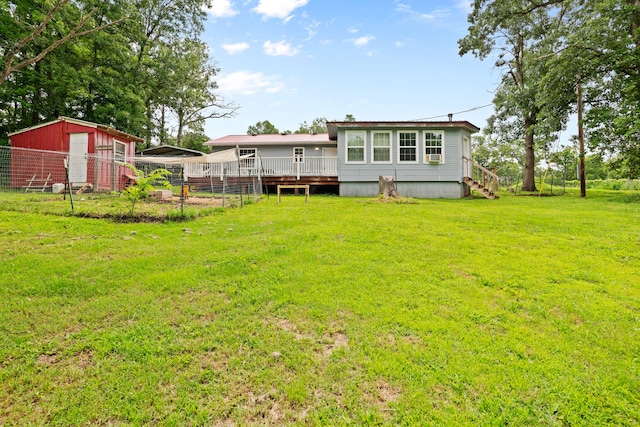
[[309, 166], [267, 166]]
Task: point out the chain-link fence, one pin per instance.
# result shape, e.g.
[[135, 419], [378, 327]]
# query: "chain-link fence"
[[40, 171]]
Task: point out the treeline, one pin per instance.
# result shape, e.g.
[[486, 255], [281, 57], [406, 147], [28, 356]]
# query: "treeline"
[[136, 65], [546, 50], [318, 125]]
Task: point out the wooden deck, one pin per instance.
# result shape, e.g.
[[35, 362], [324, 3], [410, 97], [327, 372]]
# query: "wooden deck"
[[204, 183]]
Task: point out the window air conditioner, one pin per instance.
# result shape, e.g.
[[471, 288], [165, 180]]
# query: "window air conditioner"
[[435, 158]]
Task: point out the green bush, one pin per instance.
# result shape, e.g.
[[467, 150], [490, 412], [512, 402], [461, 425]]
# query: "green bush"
[[608, 184]]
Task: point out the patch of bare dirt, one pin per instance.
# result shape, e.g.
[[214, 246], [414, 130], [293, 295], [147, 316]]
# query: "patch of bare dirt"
[[340, 340], [47, 359], [290, 327], [195, 201], [387, 393]]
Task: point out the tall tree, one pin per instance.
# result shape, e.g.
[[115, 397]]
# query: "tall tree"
[[121, 75], [516, 33], [318, 125], [33, 29], [608, 36], [190, 93], [157, 24], [262, 128]]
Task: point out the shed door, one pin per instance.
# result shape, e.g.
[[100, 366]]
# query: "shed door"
[[78, 150]]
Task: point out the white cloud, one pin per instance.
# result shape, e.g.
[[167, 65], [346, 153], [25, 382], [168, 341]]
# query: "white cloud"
[[419, 16], [280, 48], [221, 9], [352, 30], [465, 5], [278, 8], [311, 30], [234, 48], [363, 41], [399, 44], [248, 83]]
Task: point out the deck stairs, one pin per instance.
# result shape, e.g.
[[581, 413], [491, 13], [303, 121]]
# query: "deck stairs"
[[481, 179], [475, 185]]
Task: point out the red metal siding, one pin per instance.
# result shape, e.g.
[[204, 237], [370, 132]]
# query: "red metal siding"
[[50, 137], [102, 172]]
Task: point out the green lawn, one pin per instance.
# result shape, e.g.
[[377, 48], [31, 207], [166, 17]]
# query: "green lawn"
[[518, 311]]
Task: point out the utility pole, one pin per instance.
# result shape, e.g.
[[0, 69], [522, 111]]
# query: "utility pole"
[[583, 180]]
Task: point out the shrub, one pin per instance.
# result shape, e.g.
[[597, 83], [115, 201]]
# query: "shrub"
[[144, 184]]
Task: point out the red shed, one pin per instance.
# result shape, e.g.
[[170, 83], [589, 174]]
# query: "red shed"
[[95, 154]]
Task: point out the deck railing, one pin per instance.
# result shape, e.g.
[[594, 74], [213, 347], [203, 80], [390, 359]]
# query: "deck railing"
[[267, 166], [308, 166], [474, 170]]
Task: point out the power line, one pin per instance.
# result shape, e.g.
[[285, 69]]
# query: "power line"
[[459, 112]]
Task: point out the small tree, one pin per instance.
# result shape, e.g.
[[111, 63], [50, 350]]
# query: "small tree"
[[144, 184]]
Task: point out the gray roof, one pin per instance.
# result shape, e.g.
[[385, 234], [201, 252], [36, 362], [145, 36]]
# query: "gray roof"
[[170, 151]]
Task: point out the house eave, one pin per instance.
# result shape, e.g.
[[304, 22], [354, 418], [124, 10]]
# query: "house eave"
[[333, 127]]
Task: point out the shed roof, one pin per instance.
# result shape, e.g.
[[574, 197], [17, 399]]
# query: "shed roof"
[[270, 139], [332, 127], [170, 151], [104, 128]]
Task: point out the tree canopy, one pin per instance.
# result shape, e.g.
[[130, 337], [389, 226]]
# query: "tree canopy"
[[318, 125], [136, 65], [262, 128], [544, 50]]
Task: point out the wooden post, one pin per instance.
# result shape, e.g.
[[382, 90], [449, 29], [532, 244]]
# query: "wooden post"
[[583, 179]]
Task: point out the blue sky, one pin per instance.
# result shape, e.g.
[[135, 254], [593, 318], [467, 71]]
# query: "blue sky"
[[289, 61]]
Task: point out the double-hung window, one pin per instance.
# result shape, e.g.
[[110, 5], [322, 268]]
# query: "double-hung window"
[[381, 147], [355, 143], [407, 147], [433, 146], [248, 162]]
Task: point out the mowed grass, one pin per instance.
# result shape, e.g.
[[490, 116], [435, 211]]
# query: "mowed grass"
[[518, 311]]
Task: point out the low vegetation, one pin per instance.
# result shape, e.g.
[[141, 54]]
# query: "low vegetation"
[[334, 312]]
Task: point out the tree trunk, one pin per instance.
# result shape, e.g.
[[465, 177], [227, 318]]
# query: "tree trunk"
[[163, 131], [180, 128], [36, 105], [387, 187], [529, 179]]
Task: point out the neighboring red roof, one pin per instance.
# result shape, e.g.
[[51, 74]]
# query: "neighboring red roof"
[[333, 126], [268, 139]]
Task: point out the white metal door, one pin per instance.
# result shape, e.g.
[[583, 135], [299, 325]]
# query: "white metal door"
[[78, 150], [329, 164], [466, 152]]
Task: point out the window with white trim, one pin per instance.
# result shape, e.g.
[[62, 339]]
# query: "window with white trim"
[[250, 161], [355, 146], [433, 146], [119, 151], [407, 147], [298, 154], [381, 152]]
